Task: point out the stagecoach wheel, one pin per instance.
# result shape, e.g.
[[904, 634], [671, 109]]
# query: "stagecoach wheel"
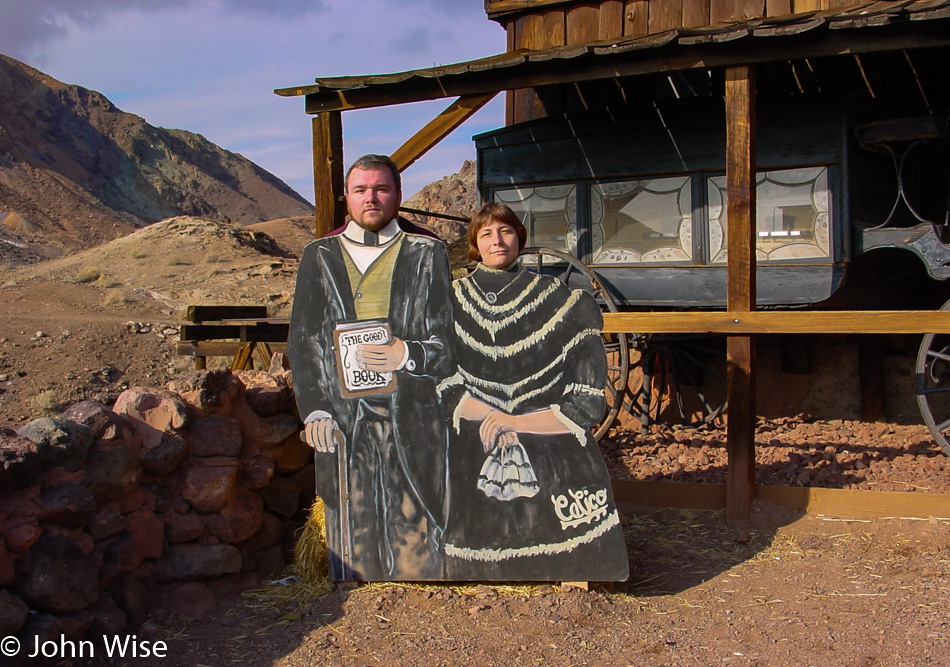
[[678, 378], [933, 385], [568, 268]]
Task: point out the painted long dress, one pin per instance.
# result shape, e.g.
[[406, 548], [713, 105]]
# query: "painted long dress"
[[543, 510]]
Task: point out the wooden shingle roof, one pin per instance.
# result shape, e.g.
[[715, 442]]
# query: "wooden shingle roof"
[[876, 26]]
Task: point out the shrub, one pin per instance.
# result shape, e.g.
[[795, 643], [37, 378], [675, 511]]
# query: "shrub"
[[46, 402], [88, 275]]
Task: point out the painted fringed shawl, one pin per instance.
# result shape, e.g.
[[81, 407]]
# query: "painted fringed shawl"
[[525, 342]]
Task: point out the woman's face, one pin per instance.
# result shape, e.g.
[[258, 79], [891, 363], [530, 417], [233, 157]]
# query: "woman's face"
[[497, 244]]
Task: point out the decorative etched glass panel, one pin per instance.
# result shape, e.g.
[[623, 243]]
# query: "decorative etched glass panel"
[[636, 222], [791, 215], [549, 213]]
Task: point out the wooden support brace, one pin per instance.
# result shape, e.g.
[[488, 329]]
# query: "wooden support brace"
[[440, 127]]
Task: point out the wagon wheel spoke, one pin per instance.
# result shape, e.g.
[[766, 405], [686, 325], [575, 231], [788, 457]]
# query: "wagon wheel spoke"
[[933, 385], [616, 346]]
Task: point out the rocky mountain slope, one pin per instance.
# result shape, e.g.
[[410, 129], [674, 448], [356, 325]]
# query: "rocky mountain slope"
[[456, 194], [76, 171]]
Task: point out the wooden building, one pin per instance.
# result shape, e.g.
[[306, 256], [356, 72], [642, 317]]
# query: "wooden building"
[[707, 154]]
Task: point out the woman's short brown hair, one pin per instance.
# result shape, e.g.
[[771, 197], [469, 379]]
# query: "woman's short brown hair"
[[493, 212]]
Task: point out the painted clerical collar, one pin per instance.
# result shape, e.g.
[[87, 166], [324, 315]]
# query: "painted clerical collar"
[[360, 236]]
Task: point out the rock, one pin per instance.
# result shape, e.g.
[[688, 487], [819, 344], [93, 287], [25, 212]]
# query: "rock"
[[148, 532], [109, 619], [233, 585], [215, 436], [282, 496], [112, 471], [192, 599], [208, 489], [291, 455], [157, 416], [135, 596], [258, 471], [241, 518], [69, 505], [158, 409], [105, 523], [20, 462], [100, 420], [59, 442], [40, 628], [167, 455], [21, 534], [7, 560], [56, 576], [209, 392], [279, 428], [185, 528], [267, 395], [270, 533], [198, 561], [13, 612], [270, 562]]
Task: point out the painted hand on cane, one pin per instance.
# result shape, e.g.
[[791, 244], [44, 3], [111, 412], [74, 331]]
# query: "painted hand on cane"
[[323, 435]]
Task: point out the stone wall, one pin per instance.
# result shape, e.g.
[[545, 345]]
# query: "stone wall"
[[175, 498]]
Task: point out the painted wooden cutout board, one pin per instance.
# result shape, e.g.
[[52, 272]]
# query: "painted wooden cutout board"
[[533, 507], [412, 490]]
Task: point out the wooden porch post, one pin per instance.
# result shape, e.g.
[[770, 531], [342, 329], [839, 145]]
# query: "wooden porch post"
[[740, 297], [329, 206]]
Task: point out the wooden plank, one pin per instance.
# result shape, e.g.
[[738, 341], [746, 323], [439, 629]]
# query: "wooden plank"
[[740, 291], [636, 17], [265, 332], [782, 321], [701, 56], [778, 7], [329, 207], [582, 22], [685, 495], [801, 6], [611, 19], [695, 13], [665, 16], [494, 9], [837, 503], [553, 28], [203, 349], [735, 10], [438, 128], [529, 34], [206, 312]]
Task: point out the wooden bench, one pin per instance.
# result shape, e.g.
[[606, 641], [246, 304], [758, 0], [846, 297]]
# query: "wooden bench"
[[237, 332]]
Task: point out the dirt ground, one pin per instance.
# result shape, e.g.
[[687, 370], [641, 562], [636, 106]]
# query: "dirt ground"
[[786, 590]]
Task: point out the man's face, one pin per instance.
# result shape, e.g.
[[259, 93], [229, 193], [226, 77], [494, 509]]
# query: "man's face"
[[372, 198]]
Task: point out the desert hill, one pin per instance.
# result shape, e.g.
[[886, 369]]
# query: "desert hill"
[[76, 171]]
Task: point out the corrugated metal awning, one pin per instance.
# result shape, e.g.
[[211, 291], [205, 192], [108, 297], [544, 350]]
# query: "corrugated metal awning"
[[876, 26]]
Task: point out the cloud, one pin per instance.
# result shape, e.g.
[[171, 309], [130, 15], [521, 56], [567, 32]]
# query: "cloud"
[[210, 66]]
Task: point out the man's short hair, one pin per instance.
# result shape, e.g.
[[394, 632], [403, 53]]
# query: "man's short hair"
[[373, 162]]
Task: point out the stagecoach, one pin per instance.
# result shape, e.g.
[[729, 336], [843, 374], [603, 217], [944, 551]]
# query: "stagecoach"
[[627, 198]]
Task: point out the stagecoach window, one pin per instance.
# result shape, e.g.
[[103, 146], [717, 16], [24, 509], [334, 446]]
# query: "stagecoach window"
[[791, 215], [645, 221], [548, 212]]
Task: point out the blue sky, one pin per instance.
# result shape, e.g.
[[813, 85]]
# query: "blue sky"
[[210, 66]]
